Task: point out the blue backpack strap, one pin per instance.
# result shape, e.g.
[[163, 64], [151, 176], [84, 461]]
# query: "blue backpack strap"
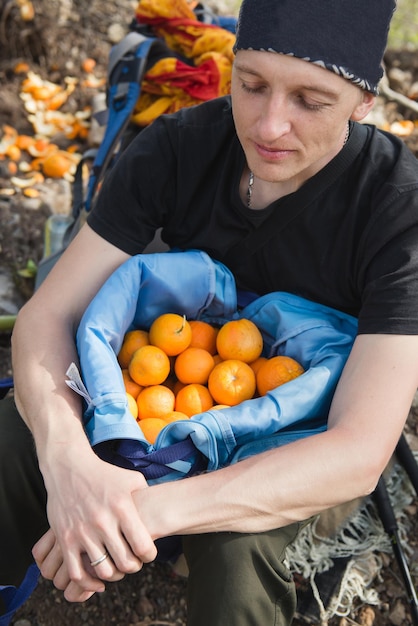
[[5, 385], [207, 16], [228, 23], [127, 64], [14, 597]]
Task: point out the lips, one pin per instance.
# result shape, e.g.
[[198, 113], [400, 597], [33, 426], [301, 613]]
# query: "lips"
[[272, 153]]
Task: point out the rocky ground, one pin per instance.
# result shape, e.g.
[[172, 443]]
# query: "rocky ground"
[[65, 32]]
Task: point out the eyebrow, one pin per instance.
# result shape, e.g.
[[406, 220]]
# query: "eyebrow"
[[330, 93]]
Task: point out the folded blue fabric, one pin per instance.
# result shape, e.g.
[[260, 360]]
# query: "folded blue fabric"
[[192, 284]]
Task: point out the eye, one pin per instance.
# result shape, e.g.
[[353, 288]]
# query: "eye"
[[311, 106], [251, 88]]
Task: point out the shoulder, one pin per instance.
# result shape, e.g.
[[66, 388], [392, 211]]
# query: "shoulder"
[[384, 174], [218, 111], [211, 117], [197, 134], [195, 126], [389, 156]]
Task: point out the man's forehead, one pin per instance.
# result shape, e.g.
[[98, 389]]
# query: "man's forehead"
[[266, 65]]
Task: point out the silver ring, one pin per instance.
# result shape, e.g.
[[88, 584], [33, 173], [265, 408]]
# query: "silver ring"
[[99, 560]]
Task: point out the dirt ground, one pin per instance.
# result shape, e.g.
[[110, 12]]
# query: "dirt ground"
[[65, 32]]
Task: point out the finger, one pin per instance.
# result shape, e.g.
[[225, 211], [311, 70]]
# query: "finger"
[[92, 570], [139, 540], [116, 561], [51, 563], [75, 593], [61, 579], [43, 546], [81, 573], [104, 568], [112, 551]]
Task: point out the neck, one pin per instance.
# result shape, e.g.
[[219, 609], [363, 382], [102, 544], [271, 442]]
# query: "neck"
[[258, 194], [266, 192]]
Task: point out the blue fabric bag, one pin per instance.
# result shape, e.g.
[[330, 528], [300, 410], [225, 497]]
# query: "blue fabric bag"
[[192, 284]]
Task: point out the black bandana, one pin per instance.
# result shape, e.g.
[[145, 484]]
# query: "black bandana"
[[347, 37]]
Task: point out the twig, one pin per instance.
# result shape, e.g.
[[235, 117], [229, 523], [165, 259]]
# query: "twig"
[[391, 94]]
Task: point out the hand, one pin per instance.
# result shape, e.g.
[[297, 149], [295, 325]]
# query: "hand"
[[91, 512], [48, 557]]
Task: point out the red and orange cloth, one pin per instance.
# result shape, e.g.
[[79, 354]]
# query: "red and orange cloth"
[[172, 84]]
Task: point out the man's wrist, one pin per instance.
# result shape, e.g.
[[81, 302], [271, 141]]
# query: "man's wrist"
[[154, 511]]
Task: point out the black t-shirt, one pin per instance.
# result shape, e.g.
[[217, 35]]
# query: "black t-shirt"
[[348, 238]]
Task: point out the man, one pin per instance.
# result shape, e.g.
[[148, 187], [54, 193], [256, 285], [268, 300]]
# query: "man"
[[340, 203]]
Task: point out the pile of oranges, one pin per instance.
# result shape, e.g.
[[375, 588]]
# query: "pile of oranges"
[[179, 368]]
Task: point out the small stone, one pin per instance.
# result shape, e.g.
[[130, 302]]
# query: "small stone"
[[397, 614], [367, 616], [144, 607], [116, 32]]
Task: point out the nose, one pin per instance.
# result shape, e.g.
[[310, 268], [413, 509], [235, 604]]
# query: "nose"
[[274, 120]]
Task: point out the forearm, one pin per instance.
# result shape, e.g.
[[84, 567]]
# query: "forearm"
[[43, 347], [267, 491], [43, 341]]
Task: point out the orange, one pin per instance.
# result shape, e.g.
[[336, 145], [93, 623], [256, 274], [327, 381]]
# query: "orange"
[[175, 416], [193, 399], [255, 365], [203, 336], [24, 141], [132, 405], [277, 371], [133, 340], [155, 401], [130, 385], [194, 365], [232, 382], [40, 147], [239, 339], [149, 366], [151, 428], [88, 65], [56, 164], [13, 152], [170, 332]]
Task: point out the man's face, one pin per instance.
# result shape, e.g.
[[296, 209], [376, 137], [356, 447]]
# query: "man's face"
[[290, 115]]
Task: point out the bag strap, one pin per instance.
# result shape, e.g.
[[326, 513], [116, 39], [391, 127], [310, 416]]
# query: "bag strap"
[[127, 63], [182, 457], [14, 597], [5, 385]]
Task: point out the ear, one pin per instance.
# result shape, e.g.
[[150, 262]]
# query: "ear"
[[365, 105]]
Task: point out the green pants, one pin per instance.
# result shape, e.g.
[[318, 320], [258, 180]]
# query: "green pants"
[[239, 579], [235, 579]]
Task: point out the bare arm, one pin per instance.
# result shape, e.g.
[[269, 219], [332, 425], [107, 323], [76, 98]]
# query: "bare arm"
[[43, 338], [90, 506], [301, 479]]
